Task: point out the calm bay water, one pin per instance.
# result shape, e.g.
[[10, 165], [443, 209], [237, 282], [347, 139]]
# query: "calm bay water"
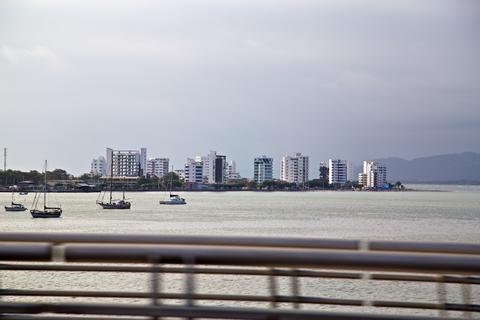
[[450, 215], [430, 216]]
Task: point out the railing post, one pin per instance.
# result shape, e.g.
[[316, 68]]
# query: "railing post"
[[442, 296], [189, 262], [466, 298], [295, 283], [155, 282], [273, 288]]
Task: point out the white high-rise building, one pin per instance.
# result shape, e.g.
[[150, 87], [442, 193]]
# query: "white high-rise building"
[[232, 173], [194, 171], [208, 166], [157, 167], [294, 169], [339, 171], [127, 163], [376, 174], [98, 167], [262, 169], [214, 167]]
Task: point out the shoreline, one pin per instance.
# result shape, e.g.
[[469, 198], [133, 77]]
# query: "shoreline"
[[260, 191]]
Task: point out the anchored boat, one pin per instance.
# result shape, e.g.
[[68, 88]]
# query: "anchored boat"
[[173, 198], [15, 206], [47, 212], [113, 204]]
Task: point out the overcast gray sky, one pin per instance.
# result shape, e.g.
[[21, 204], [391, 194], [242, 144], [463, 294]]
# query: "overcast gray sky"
[[350, 79]]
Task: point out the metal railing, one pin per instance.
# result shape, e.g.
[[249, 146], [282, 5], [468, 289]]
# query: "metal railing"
[[284, 264]]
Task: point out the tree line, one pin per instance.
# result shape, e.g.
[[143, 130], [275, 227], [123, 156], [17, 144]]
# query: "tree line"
[[12, 177], [171, 181]]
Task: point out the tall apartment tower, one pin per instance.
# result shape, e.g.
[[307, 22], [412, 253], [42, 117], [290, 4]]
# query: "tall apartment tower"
[[143, 162], [339, 171], [294, 169], [126, 163], [194, 171], [158, 167], [262, 169], [375, 174], [98, 167], [208, 166], [220, 168]]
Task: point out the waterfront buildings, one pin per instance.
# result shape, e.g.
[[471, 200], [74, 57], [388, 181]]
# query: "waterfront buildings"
[[214, 169], [127, 163], [294, 169], [262, 169], [98, 167], [339, 171], [374, 174], [157, 167]]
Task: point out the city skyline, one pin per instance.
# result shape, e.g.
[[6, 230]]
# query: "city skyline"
[[332, 79]]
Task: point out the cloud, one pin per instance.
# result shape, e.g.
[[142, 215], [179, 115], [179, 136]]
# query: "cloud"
[[38, 54]]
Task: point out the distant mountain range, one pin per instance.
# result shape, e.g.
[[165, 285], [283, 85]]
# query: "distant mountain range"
[[448, 168]]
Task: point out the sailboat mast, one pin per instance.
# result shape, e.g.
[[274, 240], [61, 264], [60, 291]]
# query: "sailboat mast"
[[171, 181], [45, 187], [123, 197], [111, 179]]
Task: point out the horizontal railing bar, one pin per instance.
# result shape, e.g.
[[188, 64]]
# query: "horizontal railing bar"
[[294, 242], [244, 298], [260, 257], [426, 247], [425, 278], [26, 252], [178, 296], [178, 270], [69, 317], [293, 258], [302, 273], [194, 312], [425, 305], [62, 238]]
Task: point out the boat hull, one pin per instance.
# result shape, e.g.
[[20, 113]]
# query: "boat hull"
[[15, 209], [125, 205], [167, 202], [55, 213]]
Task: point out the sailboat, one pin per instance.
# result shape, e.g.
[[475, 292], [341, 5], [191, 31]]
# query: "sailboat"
[[113, 204], [15, 206], [47, 212], [173, 198]]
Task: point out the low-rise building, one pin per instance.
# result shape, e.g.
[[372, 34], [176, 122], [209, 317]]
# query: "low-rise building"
[[362, 179]]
